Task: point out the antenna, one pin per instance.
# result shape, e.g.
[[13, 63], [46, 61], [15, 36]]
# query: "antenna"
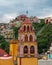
[[27, 12]]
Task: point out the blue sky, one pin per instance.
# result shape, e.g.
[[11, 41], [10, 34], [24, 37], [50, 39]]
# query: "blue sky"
[[9, 9]]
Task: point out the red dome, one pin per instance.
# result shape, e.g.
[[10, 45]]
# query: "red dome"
[[2, 52]]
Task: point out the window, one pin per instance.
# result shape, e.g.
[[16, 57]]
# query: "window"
[[25, 49], [46, 21], [32, 49], [24, 28], [26, 38], [27, 28], [31, 38]]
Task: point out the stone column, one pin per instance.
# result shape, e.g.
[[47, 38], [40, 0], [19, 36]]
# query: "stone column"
[[33, 38], [28, 37], [21, 51], [36, 51], [28, 51]]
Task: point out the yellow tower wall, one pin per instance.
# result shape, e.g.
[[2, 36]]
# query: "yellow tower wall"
[[27, 61], [13, 50]]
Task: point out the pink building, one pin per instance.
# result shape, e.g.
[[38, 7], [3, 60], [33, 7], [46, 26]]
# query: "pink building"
[[48, 20]]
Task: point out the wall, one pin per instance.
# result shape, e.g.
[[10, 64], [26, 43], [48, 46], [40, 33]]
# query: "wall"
[[27, 61]]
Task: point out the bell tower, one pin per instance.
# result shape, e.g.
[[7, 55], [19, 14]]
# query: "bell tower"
[[24, 50], [27, 40]]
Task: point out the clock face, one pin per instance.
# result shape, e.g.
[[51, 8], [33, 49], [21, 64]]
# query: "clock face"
[[18, 24]]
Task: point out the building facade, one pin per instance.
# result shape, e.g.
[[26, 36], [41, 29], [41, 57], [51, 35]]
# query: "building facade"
[[48, 20]]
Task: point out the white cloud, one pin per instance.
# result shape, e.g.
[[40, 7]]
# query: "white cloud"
[[7, 17], [35, 7], [7, 2], [24, 2], [46, 12]]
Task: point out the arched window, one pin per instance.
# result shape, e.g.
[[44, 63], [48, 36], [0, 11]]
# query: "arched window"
[[47, 21], [27, 28], [25, 49], [31, 38], [24, 28], [26, 38], [32, 49]]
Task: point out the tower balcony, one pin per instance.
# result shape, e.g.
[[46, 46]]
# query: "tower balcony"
[[28, 56]]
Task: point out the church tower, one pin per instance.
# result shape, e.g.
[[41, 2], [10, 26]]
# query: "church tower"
[[27, 40], [27, 44]]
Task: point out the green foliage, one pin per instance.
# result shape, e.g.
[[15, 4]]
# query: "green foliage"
[[44, 38], [1, 38], [42, 43], [3, 44], [38, 26], [42, 20], [15, 29]]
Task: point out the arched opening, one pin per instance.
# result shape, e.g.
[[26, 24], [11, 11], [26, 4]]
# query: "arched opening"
[[32, 49], [31, 38], [25, 49], [27, 28], [47, 21], [26, 38], [24, 28]]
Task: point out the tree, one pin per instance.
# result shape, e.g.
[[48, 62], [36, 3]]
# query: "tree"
[[42, 43], [1, 38], [44, 39], [15, 29], [3, 44]]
